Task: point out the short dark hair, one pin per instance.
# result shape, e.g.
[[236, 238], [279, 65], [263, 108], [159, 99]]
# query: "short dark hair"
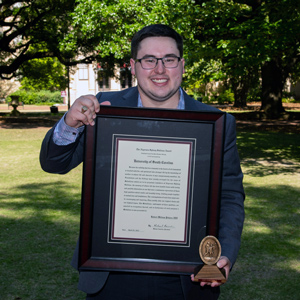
[[156, 30]]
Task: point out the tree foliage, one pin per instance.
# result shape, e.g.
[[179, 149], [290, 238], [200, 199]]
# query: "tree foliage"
[[34, 29], [43, 74], [236, 41], [108, 26], [233, 41], [253, 38]]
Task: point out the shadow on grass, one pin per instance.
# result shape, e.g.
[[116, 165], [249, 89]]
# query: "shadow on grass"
[[43, 196], [268, 264], [29, 120], [39, 230], [265, 153]]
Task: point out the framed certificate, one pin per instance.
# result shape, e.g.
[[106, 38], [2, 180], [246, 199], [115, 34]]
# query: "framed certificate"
[[151, 189]]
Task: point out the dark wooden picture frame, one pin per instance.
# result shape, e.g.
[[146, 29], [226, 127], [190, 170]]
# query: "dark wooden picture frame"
[[203, 134]]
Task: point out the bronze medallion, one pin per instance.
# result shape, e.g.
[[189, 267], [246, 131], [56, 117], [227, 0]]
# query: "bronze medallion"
[[210, 250]]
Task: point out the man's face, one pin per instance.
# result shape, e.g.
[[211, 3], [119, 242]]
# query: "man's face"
[[159, 85]]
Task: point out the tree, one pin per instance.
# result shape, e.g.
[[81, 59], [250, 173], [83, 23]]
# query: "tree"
[[238, 41], [34, 29], [282, 51], [253, 38], [43, 74], [108, 26]]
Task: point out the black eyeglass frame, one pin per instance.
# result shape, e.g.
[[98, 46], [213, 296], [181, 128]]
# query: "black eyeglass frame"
[[157, 59]]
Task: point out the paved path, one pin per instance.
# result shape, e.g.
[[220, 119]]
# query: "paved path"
[[48, 121], [32, 108]]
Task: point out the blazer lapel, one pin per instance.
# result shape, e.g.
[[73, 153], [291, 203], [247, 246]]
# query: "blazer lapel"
[[129, 99], [132, 96], [190, 103]]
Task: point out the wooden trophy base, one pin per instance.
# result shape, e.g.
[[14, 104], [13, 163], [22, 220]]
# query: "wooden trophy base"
[[209, 273]]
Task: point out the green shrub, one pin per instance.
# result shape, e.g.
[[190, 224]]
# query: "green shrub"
[[225, 97], [290, 100], [37, 97], [205, 99], [254, 94]]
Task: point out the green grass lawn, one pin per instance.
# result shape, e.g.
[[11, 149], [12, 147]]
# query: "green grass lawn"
[[268, 266], [39, 221]]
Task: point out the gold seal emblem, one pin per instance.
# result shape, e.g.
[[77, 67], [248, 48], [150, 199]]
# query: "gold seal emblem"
[[210, 250]]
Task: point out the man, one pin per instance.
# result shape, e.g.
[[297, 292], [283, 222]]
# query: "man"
[[157, 63]]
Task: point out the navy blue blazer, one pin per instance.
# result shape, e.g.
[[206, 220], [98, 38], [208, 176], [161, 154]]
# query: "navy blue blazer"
[[62, 159]]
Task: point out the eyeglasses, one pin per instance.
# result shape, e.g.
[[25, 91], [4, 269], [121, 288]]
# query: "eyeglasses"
[[149, 63]]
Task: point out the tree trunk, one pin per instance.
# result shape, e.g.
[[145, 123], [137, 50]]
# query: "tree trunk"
[[272, 86], [240, 90]]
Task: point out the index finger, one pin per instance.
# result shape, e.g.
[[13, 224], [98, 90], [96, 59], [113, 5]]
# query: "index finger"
[[95, 102]]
